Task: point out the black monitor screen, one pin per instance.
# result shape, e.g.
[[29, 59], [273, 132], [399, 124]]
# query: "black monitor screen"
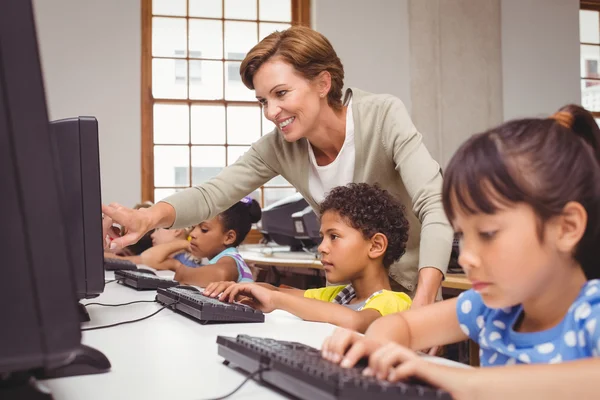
[[40, 324]]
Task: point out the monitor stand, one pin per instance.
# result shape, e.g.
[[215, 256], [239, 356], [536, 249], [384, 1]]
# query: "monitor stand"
[[84, 316], [23, 386], [85, 361]]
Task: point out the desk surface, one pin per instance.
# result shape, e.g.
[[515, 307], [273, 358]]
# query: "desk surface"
[[281, 257], [457, 281], [169, 356]]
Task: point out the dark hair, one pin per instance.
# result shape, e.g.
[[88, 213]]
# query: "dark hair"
[[371, 210], [582, 123], [308, 51], [540, 162], [240, 218]]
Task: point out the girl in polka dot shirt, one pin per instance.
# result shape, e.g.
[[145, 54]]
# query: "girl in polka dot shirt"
[[524, 199]]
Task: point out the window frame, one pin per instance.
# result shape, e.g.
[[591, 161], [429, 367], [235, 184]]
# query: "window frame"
[[591, 5], [300, 16]]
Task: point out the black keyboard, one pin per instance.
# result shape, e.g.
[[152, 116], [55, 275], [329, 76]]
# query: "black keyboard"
[[143, 280], [300, 370], [206, 309], [114, 264]]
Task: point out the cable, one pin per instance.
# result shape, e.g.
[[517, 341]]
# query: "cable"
[[131, 321], [252, 375], [111, 281], [118, 305]]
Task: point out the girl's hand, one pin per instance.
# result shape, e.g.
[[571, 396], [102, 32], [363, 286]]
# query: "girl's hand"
[[214, 289], [253, 295], [394, 362], [347, 347]]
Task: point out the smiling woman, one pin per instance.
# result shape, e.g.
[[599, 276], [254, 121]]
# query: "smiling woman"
[[322, 141]]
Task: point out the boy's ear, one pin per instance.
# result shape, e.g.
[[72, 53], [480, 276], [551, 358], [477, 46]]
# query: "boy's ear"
[[571, 226], [379, 244], [230, 237]]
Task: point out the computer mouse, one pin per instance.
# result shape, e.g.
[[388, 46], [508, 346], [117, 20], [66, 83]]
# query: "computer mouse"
[[85, 361], [145, 271]]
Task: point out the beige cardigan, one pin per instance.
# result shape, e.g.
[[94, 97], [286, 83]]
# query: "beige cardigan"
[[389, 151]]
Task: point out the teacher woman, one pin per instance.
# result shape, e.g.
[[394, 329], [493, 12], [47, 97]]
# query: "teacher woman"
[[321, 141]]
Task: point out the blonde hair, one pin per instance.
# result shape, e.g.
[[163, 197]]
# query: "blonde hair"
[[308, 51]]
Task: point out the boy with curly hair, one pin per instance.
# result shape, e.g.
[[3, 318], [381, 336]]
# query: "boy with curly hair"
[[364, 231]]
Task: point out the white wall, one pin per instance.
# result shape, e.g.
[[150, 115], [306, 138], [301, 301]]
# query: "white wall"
[[371, 39], [90, 54], [456, 75], [540, 56]]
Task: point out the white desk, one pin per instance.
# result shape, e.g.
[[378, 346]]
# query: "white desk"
[[169, 356]]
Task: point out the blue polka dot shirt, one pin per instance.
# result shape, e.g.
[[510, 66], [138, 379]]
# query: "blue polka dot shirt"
[[577, 336]]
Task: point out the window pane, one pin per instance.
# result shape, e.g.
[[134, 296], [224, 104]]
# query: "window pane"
[[208, 125], [169, 78], [243, 124], [207, 162], [206, 39], [589, 26], [240, 9], [168, 7], [206, 8], [275, 10], [171, 123], [267, 126], [234, 88], [590, 56], [278, 181], [273, 195], [240, 37], [206, 81], [160, 194], [168, 37], [235, 152], [266, 29], [590, 95], [171, 166]]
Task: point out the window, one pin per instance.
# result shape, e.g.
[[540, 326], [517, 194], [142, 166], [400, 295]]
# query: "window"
[[589, 38], [197, 115]]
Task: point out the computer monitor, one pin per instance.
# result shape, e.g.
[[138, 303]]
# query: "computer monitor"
[[40, 326], [306, 226], [277, 224], [76, 148]]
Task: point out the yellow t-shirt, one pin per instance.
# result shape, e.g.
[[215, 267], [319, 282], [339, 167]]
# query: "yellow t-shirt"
[[384, 301]]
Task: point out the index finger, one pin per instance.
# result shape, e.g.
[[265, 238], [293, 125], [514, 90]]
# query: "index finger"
[[337, 343], [358, 350], [227, 292], [210, 287], [114, 211]]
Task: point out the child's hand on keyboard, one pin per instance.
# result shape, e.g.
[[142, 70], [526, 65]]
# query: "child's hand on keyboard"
[[347, 347], [216, 288], [253, 295], [394, 362]]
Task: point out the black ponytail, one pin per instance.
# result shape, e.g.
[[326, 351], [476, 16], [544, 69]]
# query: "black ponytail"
[[240, 218]]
